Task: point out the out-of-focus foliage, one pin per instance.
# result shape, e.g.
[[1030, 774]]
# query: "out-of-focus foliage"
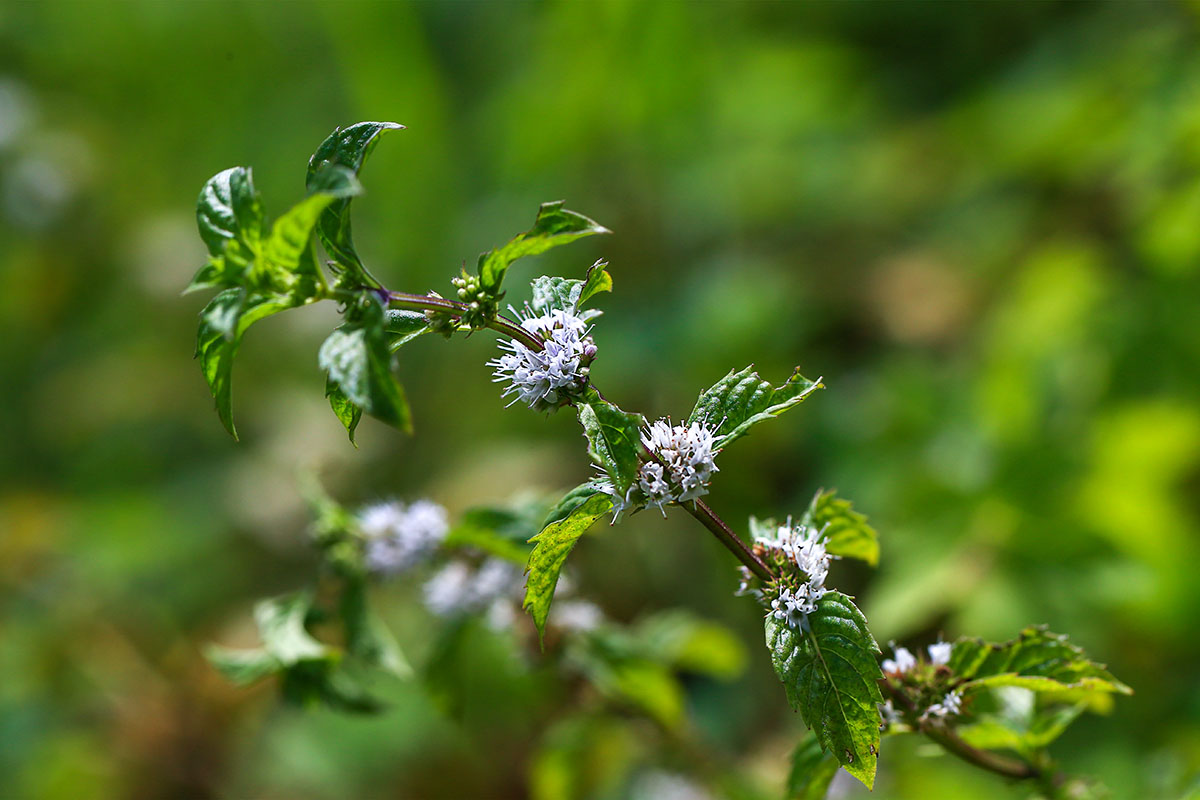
[[978, 223]]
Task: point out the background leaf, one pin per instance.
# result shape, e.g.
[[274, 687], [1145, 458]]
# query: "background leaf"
[[743, 399], [829, 673], [281, 623], [812, 770]]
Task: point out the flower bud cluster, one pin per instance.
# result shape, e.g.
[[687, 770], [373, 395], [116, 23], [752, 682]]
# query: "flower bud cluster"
[[399, 537], [547, 379], [803, 561], [481, 304]]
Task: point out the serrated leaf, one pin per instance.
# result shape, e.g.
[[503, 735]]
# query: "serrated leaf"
[[830, 676], [553, 226], [614, 440], [1037, 660], [280, 623], [222, 324], [346, 147], [242, 667], [550, 551], [812, 770], [742, 399], [846, 531], [357, 359]]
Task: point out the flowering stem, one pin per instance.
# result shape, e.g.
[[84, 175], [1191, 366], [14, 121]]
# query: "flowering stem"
[[709, 519], [500, 323]]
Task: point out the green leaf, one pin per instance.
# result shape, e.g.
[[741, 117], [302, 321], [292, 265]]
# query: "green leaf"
[[229, 209], [403, 326], [551, 292], [644, 685], [1037, 660], [242, 667], [571, 501], [229, 214], [846, 531], [554, 226], [1000, 732], [346, 147], [597, 280], [358, 361], [343, 408], [743, 399], [499, 532], [812, 770], [551, 548], [614, 439], [830, 675], [280, 622], [287, 251], [222, 324]]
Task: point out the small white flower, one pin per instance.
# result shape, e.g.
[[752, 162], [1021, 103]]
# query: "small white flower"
[[804, 547], [940, 653], [903, 662], [398, 538], [540, 378], [950, 705], [446, 592], [889, 713], [687, 452]]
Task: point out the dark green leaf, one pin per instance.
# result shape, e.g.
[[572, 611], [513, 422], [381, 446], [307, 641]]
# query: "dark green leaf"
[[571, 501], [358, 361], [222, 324], [614, 440], [743, 399], [346, 147], [403, 326], [812, 770], [343, 408], [229, 210], [830, 675], [551, 548], [846, 531], [242, 667], [280, 622], [1036, 660], [554, 226]]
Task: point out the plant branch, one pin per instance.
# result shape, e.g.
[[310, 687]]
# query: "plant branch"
[[500, 323], [709, 519]]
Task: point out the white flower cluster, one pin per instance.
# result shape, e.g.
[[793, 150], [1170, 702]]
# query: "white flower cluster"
[[950, 705], [400, 537], [541, 378], [458, 588], [686, 454], [939, 655], [805, 547]]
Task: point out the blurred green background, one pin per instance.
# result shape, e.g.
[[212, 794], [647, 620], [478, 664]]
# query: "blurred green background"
[[978, 222]]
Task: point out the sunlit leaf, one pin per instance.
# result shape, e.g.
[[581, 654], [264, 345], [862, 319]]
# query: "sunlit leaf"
[[1037, 660], [742, 399], [554, 226], [830, 675], [846, 531]]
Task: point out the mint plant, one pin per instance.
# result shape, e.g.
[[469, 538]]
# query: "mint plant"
[[995, 705]]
